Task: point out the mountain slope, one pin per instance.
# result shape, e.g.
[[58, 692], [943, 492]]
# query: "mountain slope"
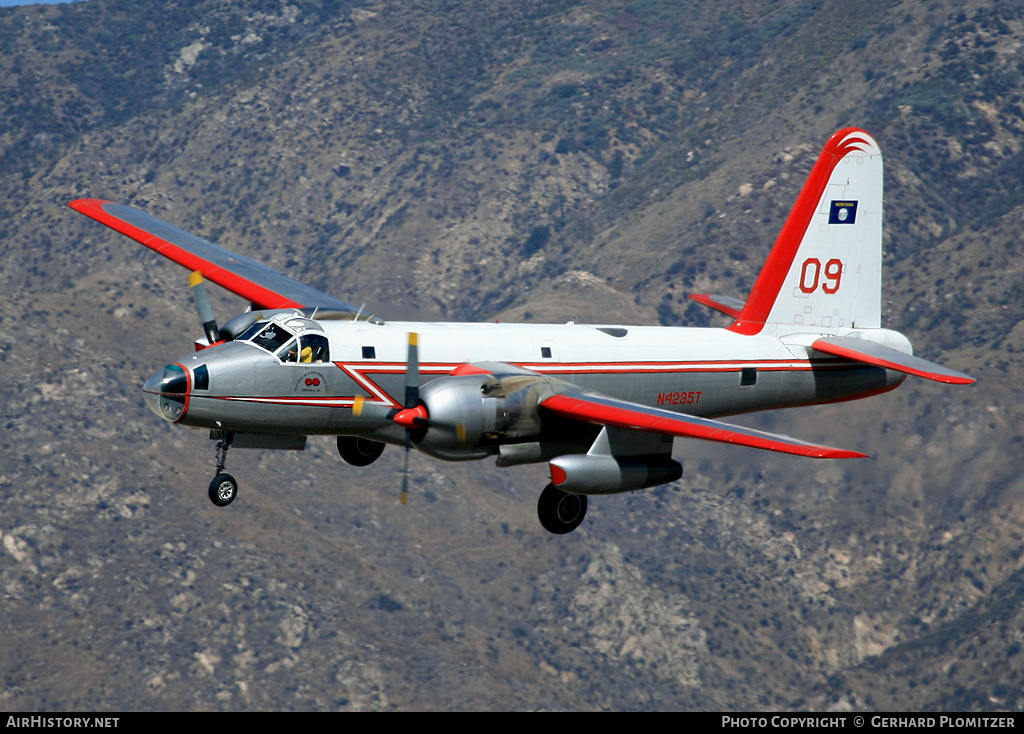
[[594, 161]]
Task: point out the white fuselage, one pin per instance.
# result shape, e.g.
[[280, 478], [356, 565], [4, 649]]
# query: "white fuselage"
[[700, 371]]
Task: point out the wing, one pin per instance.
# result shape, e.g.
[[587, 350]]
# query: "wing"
[[264, 287], [861, 350], [603, 410]]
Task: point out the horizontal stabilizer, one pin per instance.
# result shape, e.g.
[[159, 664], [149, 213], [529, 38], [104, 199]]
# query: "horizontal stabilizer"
[[861, 350], [728, 305], [603, 410]]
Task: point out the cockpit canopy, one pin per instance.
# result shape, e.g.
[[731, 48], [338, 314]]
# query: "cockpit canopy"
[[292, 339]]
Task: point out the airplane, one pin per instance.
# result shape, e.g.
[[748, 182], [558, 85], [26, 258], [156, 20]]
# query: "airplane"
[[601, 404]]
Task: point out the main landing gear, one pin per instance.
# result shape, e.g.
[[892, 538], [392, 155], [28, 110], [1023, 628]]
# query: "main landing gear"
[[359, 451], [560, 512], [223, 488]]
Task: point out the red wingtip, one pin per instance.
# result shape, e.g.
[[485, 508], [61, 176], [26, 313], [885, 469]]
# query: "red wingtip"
[[839, 454], [85, 205]]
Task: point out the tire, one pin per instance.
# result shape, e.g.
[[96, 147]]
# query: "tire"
[[359, 451], [223, 490], [560, 512]]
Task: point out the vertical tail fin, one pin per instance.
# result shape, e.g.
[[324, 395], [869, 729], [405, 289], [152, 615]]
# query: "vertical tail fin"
[[825, 270]]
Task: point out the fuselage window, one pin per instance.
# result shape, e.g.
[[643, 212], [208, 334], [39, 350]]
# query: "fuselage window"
[[369, 353]]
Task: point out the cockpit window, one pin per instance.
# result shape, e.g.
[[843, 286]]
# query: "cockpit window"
[[251, 331], [309, 347], [201, 377], [272, 337], [306, 349], [289, 352], [314, 349]]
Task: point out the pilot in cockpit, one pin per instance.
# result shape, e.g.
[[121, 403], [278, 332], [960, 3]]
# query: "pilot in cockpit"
[[309, 347]]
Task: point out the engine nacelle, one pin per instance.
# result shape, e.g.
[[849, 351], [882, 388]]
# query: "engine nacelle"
[[470, 415], [598, 474]]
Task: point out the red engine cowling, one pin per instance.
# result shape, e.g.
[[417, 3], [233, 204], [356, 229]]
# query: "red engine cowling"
[[599, 474]]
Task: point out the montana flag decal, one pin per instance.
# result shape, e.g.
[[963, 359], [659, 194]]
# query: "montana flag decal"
[[842, 212]]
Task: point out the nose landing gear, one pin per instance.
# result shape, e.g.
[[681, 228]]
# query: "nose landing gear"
[[223, 488]]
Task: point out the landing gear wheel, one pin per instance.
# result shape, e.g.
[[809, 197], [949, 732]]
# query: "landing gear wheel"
[[560, 512], [223, 490], [359, 451]]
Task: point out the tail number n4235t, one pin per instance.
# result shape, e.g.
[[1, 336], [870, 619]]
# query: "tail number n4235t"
[[679, 398]]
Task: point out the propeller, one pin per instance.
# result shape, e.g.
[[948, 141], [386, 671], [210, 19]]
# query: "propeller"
[[195, 282], [414, 415]]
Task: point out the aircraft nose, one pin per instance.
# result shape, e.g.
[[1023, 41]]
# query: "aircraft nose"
[[167, 392]]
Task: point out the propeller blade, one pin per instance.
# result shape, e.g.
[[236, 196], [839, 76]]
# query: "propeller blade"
[[206, 317], [413, 412], [371, 410], [403, 498], [412, 372]]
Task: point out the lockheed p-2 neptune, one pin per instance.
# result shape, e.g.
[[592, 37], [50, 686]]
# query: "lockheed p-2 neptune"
[[601, 404]]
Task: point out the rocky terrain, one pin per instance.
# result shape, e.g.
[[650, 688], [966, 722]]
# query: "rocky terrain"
[[594, 160]]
